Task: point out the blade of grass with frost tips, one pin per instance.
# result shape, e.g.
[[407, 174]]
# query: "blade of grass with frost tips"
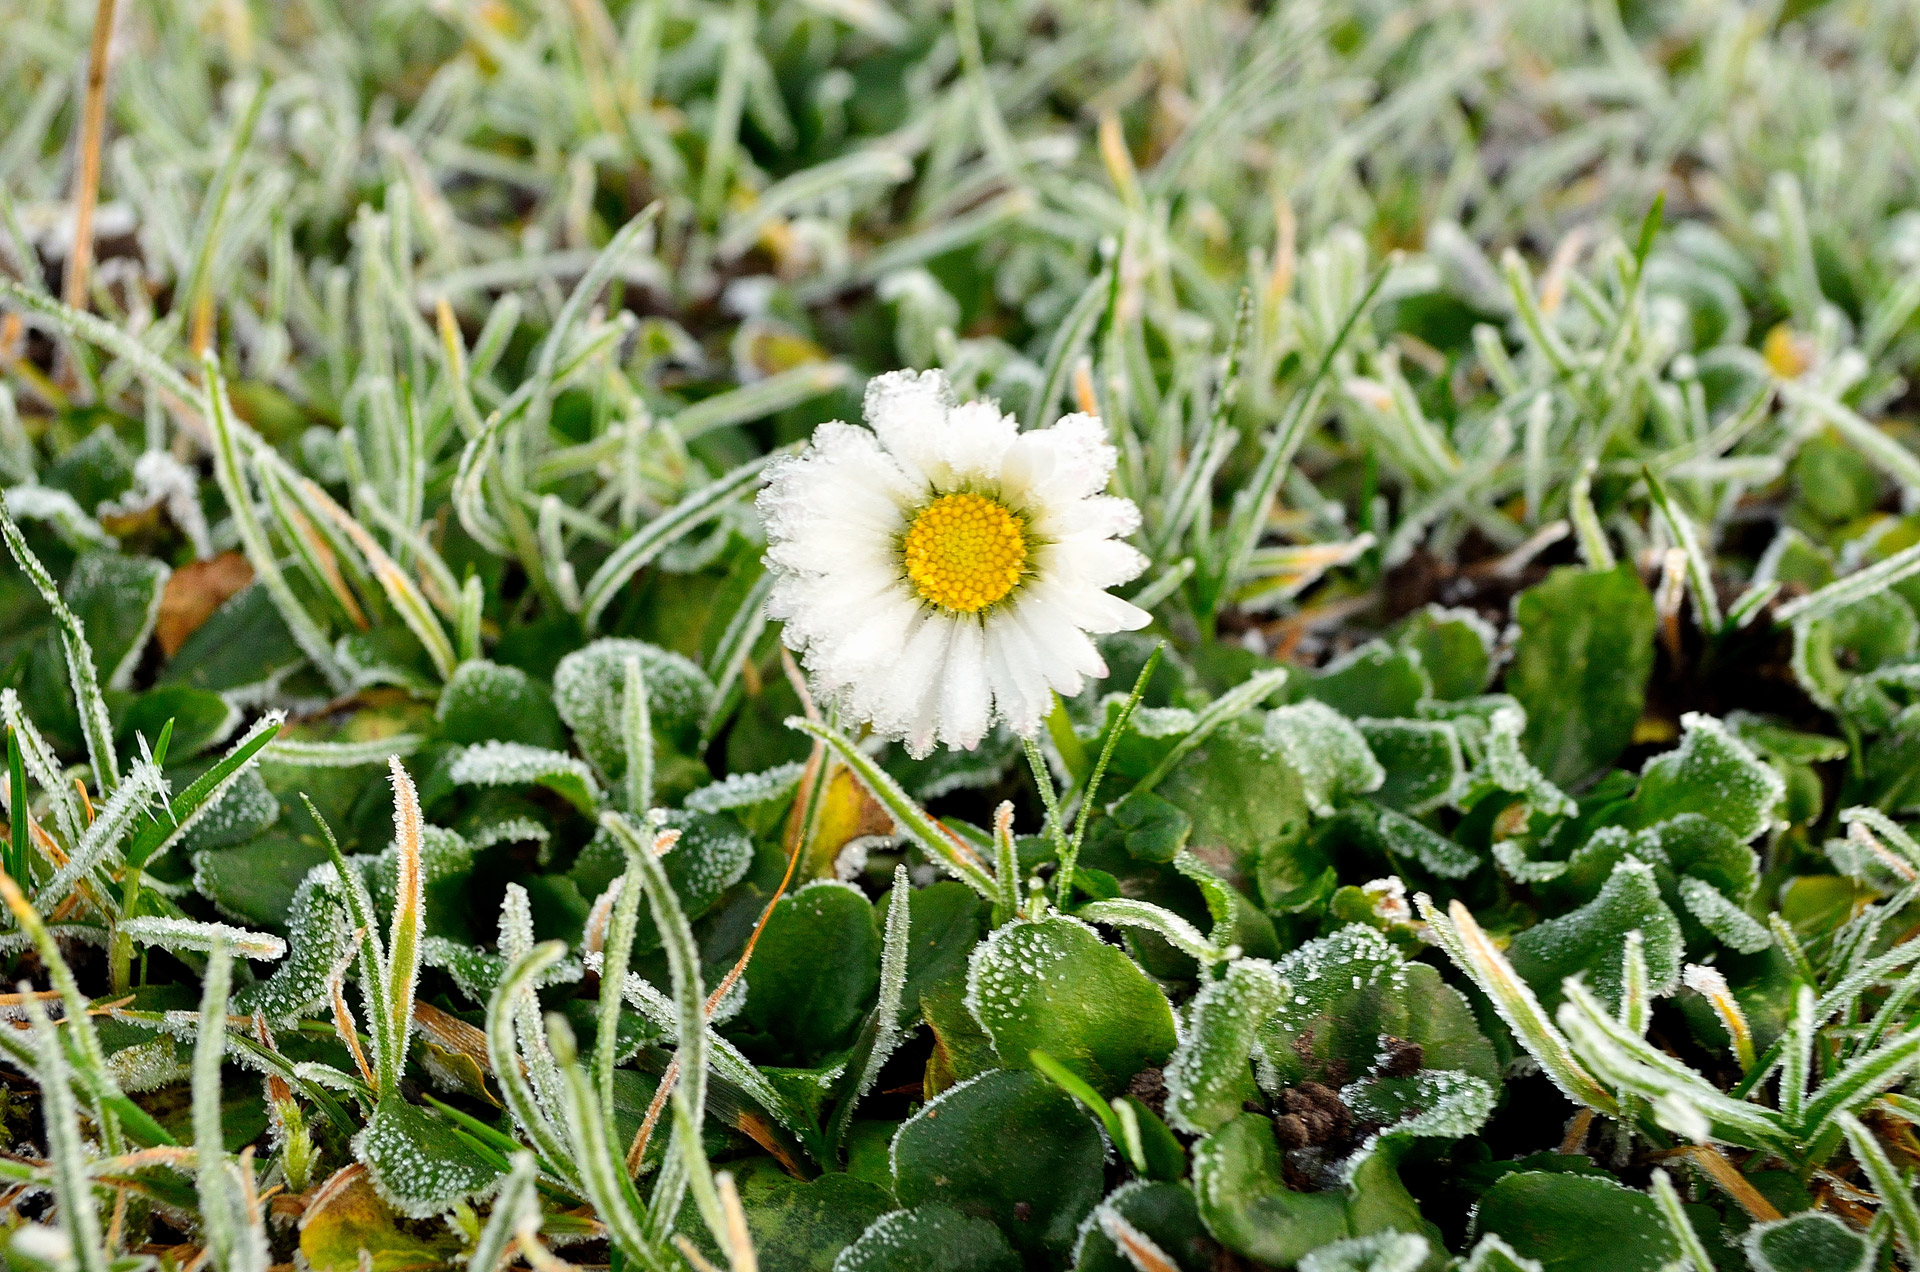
[[908, 817], [1244, 696], [82, 673], [1461, 936], [690, 1020], [1796, 1062], [112, 1106], [1876, 446], [1678, 1224], [1706, 602], [1248, 516], [504, 1056], [616, 957], [514, 1206], [72, 1186], [102, 841], [303, 754], [1842, 592], [190, 295], [664, 531], [1127, 912], [19, 850], [762, 398], [210, 1049], [191, 934], [232, 478], [636, 728], [602, 1173], [105, 335], [401, 591], [1632, 1063], [881, 1034], [1896, 1191], [1858, 1081], [403, 943], [43, 764], [586, 290], [190, 805]]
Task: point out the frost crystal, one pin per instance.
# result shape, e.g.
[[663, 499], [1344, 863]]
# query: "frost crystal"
[[517, 764], [1326, 750]]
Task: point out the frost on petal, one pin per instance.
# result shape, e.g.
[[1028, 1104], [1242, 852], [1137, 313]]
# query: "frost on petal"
[[908, 410]]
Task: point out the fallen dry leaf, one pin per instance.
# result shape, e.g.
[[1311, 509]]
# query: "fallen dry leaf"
[[194, 592]]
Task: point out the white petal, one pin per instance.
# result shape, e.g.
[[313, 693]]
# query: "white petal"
[[966, 698], [976, 437], [908, 410], [1019, 686], [1071, 460], [1091, 609]]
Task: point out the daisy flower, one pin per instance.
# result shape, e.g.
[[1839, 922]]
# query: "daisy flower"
[[939, 569]]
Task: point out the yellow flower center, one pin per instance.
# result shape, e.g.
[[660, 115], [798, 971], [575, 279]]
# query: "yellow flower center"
[[965, 551]]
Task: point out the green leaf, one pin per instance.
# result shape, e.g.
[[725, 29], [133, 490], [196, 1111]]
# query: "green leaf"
[[1164, 1213], [1376, 679], [1327, 751], [419, 1163], [1381, 1252], [199, 717], [1810, 1242], [1556, 1219], [1008, 1147], [1580, 667], [814, 973], [799, 1224], [1830, 651], [589, 690], [1421, 759], [1455, 648], [1347, 994], [483, 701], [117, 598], [1248, 807], [1209, 1077], [1712, 773], [1237, 1183], [929, 1238], [1057, 987], [255, 882], [1589, 940]]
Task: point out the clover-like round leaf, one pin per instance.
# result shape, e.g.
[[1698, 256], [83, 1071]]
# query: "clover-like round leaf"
[[1577, 1223], [1055, 986], [929, 1238], [1009, 1147]]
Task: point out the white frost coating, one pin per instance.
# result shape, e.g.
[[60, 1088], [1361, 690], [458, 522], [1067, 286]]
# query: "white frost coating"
[[1494, 1255], [159, 478], [271, 720], [589, 691], [1381, 1252], [190, 934], [1745, 790], [743, 790], [1734, 927], [302, 754], [1329, 754], [1437, 1103], [129, 580], [61, 511], [103, 840], [1209, 1067], [510, 830], [1504, 766], [517, 764]]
